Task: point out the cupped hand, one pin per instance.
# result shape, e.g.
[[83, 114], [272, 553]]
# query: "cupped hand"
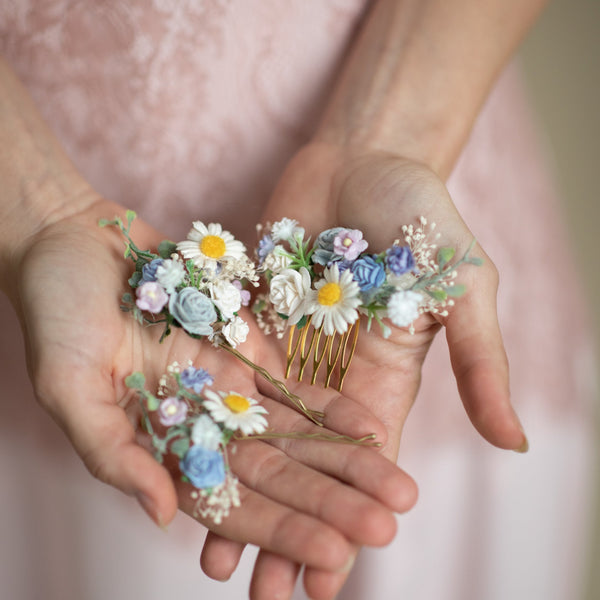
[[377, 193], [302, 500]]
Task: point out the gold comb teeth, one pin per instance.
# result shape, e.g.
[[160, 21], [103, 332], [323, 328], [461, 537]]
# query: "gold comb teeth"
[[336, 351], [319, 290]]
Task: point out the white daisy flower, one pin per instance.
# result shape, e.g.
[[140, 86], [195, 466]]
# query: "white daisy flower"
[[209, 245], [236, 411], [334, 302]]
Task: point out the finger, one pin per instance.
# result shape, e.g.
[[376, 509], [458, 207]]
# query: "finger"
[[220, 556], [480, 364], [268, 471], [273, 578], [362, 468], [325, 585], [276, 528], [84, 406]]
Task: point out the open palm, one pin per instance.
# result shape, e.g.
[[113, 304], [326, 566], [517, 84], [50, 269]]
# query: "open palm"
[[378, 193], [303, 500]]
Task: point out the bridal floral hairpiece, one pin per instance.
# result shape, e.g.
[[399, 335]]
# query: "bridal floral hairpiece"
[[197, 285], [196, 425], [322, 288]]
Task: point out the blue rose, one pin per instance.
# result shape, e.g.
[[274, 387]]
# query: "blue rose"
[[399, 260], [368, 273], [193, 310], [203, 467], [323, 254], [149, 270]]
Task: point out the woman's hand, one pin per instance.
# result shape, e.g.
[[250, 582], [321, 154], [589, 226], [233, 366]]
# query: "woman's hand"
[[303, 500], [378, 193]]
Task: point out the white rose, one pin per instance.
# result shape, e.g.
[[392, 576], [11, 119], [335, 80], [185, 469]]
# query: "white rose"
[[226, 297], [206, 433], [236, 331], [403, 307], [288, 293], [170, 274], [277, 260]]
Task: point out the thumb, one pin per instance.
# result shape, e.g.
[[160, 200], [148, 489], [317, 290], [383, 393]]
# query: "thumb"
[[84, 405], [480, 364]]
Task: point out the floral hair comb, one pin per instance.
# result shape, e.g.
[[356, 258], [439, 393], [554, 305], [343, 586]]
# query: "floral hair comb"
[[319, 291], [196, 425], [197, 285]]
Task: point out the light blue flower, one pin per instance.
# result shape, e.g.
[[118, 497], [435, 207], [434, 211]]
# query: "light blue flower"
[[265, 247], [193, 311], [324, 254], [368, 273], [203, 467]]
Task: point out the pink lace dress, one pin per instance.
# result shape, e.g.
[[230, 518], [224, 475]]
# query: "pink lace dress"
[[198, 106]]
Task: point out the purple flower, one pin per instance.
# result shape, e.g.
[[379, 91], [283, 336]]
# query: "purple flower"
[[245, 295], [149, 270], [172, 411], [349, 243], [196, 379], [399, 260], [193, 310], [203, 467], [368, 273], [265, 247], [151, 297]]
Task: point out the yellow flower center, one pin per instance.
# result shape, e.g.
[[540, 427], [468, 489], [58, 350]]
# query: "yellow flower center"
[[212, 246], [347, 242], [171, 409], [236, 404], [329, 294]]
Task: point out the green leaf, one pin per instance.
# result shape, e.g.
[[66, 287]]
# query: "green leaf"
[[180, 447], [130, 215], [135, 381], [302, 322], [475, 260], [135, 279], [105, 222], [456, 290], [166, 248], [444, 256], [152, 402], [439, 295]]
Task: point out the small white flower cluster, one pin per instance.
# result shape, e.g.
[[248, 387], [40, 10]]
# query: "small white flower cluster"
[[217, 504]]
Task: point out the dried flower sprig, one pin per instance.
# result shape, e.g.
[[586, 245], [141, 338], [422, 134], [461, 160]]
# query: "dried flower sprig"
[[196, 425], [330, 283], [197, 285]]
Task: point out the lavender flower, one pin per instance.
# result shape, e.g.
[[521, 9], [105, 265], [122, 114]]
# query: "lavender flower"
[[203, 467], [265, 247], [172, 411], [399, 259], [151, 297], [349, 243], [196, 379], [368, 273]]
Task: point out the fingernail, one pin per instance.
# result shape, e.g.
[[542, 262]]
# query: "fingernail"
[[524, 447], [150, 509], [348, 566]]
